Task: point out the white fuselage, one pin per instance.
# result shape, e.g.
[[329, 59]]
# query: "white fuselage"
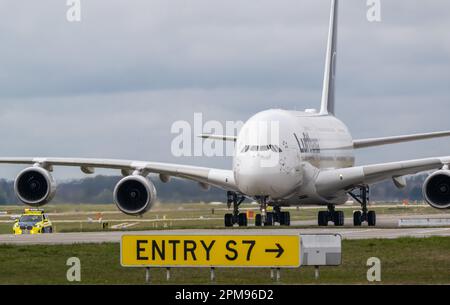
[[279, 153]]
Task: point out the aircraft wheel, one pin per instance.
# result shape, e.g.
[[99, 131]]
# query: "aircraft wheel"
[[228, 220], [371, 218], [258, 220], [339, 218], [276, 217], [357, 218], [285, 219], [242, 220], [269, 220], [322, 218]]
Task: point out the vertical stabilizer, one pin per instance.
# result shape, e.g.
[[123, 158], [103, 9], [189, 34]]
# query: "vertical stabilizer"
[[327, 106]]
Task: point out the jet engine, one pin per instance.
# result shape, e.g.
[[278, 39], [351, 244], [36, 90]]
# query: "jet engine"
[[134, 195], [35, 186], [436, 189]]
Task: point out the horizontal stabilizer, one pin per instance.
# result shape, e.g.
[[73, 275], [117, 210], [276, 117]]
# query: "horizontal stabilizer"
[[398, 139], [218, 137]]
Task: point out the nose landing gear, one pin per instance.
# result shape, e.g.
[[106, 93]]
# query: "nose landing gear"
[[270, 218], [265, 218], [235, 218]]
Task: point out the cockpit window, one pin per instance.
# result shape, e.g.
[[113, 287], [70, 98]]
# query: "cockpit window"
[[30, 218], [263, 148], [274, 148], [246, 148], [271, 147]]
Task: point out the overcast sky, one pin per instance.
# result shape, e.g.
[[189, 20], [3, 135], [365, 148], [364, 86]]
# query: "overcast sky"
[[112, 85]]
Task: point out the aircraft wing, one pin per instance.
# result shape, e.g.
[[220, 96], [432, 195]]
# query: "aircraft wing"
[[220, 178], [364, 143], [335, 180]]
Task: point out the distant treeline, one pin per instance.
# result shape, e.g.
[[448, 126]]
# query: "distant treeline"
[[99, 189]]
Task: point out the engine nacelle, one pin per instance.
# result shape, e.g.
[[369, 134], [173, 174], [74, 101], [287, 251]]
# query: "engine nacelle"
[[436, 189], [134, 195], [35, 186]]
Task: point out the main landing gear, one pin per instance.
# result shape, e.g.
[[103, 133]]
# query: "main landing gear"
[[235, 218], [364, 215], [270, 218], [358, 216], [337, 217]]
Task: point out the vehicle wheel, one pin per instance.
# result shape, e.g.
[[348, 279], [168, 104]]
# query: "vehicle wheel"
[[276, 217], [371, 218], [50, 230], [258, 220], [285, 219], [269, 220], [242, 220], [357, 218], [281, 218], [228, 220], [322, 218], [339, 218]]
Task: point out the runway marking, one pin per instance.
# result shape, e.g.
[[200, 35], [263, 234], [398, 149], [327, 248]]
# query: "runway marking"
[[434, 230], [357, 231]]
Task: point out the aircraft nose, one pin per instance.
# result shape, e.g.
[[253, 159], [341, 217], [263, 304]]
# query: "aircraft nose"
[[253, 181], [260, 177]]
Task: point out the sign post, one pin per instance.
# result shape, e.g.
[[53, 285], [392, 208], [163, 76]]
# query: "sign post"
[[147, 275], [237, 251]]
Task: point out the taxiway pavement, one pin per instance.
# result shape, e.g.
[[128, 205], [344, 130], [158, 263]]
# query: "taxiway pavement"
[[115, 237]]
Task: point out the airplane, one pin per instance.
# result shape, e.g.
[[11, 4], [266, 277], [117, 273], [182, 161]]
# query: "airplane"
[[314, 165]]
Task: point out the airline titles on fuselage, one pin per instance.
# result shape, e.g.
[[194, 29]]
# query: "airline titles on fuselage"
[[308, 144]]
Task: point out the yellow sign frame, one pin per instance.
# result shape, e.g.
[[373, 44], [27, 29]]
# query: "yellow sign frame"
[[201, 250]]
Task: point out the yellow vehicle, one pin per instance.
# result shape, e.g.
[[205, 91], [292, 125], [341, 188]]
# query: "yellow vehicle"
[[32, 221]]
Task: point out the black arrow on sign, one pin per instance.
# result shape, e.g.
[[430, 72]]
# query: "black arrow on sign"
[[279, 250]]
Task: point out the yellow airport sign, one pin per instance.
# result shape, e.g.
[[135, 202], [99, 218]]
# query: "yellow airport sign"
[[210, 251]]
